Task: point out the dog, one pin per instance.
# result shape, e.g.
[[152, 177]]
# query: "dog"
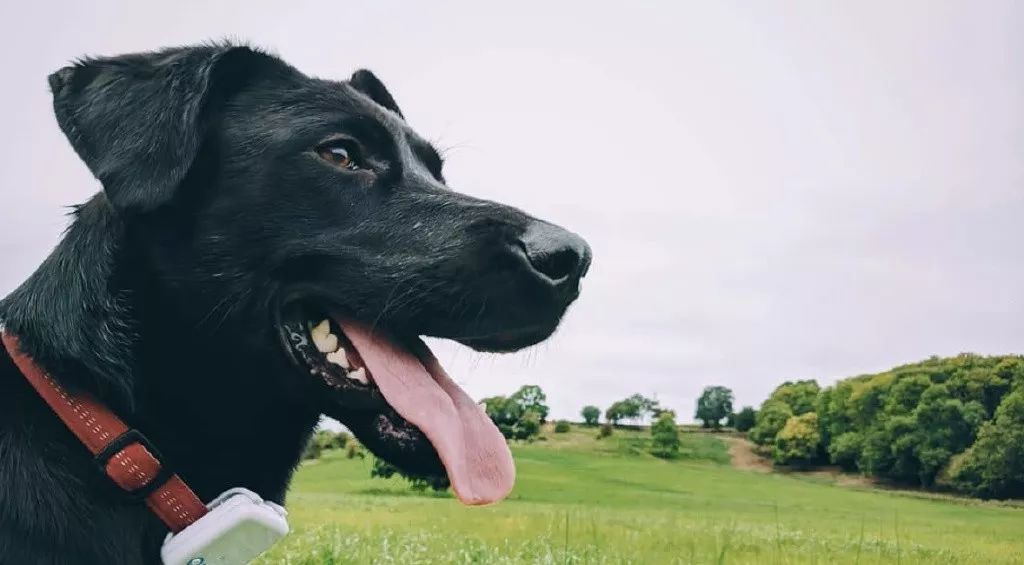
[[268, 247]]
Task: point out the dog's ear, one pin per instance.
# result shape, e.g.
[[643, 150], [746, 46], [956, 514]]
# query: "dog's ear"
[[366, 82], [138, 120]]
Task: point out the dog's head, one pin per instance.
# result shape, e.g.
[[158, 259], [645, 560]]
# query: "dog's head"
[[303, 222]]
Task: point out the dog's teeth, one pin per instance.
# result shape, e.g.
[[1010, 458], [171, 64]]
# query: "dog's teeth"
[[359, 375], [326, 343], [322, 329], [338, 358]]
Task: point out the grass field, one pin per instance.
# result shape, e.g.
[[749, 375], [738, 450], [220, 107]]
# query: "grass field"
[[583, 500]]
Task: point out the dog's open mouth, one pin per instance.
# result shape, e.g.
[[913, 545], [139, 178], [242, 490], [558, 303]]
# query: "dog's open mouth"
[[395, 396]]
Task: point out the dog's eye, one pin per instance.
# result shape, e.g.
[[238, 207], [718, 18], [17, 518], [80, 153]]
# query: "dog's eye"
[[340, 153]]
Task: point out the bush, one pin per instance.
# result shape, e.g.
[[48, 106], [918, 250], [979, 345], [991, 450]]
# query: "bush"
[[666, 436], [798, 441], [354, 449], [312, 450], [384, 470], [591, 414], [562, 427], [341, 440], [606, 430], [320, 441]]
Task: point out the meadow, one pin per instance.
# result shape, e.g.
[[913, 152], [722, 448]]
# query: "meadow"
[[583, 500]]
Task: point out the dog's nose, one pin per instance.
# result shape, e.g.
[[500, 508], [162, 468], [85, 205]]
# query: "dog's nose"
[[555, 254]]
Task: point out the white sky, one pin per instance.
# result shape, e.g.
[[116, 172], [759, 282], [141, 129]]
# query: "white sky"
[[773, 191]]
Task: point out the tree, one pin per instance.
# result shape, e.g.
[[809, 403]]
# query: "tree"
[[845, 450], [798, 441], [634, 408], [531, 398], [982, 384], [800, 396], [518, 416], [648, 407], [529, 426], [505, 413], [665, 434], [744, 419], [622, 410], [905, 393], [926, 423], [994, 466], [591, 414], [714, 404], [770, 419], [946, 426]]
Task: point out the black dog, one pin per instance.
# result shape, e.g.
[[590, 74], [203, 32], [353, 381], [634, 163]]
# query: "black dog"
[[254, 223]]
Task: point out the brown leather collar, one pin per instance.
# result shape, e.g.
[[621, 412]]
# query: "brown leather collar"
[[122, 453]]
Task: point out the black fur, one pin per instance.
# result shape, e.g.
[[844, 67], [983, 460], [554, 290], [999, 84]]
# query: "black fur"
[[164, 297]]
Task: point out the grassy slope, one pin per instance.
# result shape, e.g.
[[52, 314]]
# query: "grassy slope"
[[580, 500]]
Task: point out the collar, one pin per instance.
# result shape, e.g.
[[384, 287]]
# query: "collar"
[[123, 454]]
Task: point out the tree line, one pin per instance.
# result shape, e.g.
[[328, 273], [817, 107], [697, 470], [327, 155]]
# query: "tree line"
[[520, 416], [951, 423]]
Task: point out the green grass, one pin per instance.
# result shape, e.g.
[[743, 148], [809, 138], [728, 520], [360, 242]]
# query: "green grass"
[[582, 500]]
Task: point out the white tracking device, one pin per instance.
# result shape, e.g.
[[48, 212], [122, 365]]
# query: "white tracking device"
[[239, 527]]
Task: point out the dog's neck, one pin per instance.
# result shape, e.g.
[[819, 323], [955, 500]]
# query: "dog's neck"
[[92, 316], [73, 315]]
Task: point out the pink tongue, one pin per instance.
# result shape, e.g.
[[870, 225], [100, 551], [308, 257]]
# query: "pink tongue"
[[473, 451]]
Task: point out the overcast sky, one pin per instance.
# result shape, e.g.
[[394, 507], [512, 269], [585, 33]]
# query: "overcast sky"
[[772, 191]]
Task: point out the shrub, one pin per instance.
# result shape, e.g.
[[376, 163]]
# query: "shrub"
[[319, 442], [384, 470], [354, 449], [341, 440], [666, 436], [312, 450], [606, 430], [562, 427]]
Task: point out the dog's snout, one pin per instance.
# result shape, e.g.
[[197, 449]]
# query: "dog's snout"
[[555, 254]]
